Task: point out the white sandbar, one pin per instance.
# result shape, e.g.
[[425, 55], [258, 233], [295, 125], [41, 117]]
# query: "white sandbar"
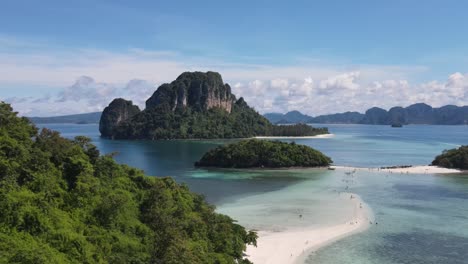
[[293, 246]]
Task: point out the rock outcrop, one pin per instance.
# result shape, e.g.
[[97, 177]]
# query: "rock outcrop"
[[197, 90], [420, 114], [375, 116], [118, 111], [397, 115]]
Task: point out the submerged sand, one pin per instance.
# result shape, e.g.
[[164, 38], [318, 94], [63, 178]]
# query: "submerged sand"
[[317, 136], [293, 246], [408, 170]]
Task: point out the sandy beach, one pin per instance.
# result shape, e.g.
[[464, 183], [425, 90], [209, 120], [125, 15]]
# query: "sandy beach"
[[293, 246], [409, 170], [317, 136]]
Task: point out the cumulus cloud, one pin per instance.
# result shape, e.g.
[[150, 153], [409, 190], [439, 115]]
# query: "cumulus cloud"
[[345, 91], [338, 83], [86, 88], [84, 95], [349, 92]]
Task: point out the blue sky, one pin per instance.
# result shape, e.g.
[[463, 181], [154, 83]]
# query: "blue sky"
[[47, 46]]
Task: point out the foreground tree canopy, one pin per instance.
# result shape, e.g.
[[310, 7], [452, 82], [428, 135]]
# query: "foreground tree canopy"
[[255, 153], [62, 202], [453, 158], [195, 105]]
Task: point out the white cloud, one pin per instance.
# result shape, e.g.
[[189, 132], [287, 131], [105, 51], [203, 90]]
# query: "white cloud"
[[339, 93], [85, 95], [85, 88], [134, 74], [348, 92]]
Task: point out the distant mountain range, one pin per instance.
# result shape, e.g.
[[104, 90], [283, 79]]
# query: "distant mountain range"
[[414, 114], [289, 117], [76, 119]]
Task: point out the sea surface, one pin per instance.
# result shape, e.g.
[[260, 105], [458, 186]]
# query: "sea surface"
[[420, 218]]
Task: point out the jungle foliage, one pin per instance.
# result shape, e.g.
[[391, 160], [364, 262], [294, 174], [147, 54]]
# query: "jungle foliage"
[[63, 202]]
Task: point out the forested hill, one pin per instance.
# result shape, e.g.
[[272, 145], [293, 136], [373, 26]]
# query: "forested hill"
[[195, 105], [255, 153], [62, 202], [414, 114]]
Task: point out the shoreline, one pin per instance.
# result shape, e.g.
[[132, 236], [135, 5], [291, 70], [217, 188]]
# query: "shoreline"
[[305, 137], [420, 169], [295, 245]]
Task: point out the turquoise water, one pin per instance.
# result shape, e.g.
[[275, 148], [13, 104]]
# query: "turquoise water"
[[421, 218]]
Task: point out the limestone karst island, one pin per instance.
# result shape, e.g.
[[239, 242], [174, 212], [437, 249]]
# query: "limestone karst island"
[[196, 105]]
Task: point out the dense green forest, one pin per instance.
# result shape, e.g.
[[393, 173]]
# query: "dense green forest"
[[453, 158], [63, 202], [255, 153]]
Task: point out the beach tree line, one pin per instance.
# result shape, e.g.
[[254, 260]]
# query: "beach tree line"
[[453, 158]]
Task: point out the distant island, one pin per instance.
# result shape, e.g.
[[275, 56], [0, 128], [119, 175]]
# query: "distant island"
[[87, 118], [453, 159], [414, 114], [196, 105], [255, 153], [288, 118]]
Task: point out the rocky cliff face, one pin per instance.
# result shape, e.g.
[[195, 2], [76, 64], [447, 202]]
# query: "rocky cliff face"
[[118, 111], [375, 116], [451, 115], [197, 90], [420, 114], [398, 115]]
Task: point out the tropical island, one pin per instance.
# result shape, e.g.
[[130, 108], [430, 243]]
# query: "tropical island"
[[196, 105], [63, 202], [255, 153], [453, 159]]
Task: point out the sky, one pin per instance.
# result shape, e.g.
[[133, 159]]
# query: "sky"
[[318, 57]]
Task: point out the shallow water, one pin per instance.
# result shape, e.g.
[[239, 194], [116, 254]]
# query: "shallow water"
[[421, 218]]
